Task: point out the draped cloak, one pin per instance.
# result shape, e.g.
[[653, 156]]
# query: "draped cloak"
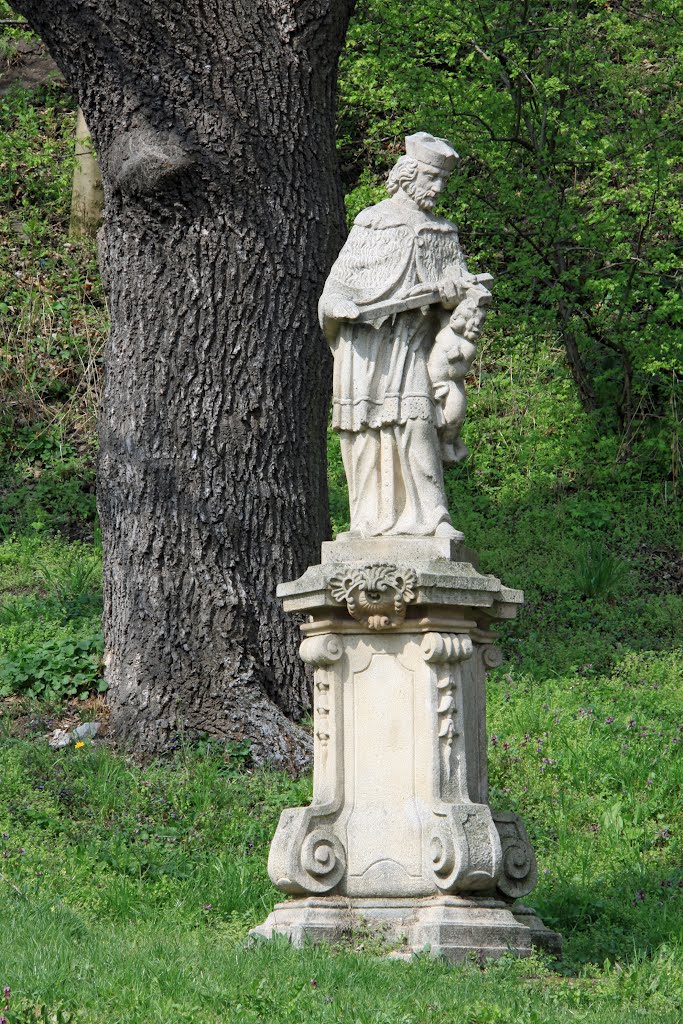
[[383, 401]]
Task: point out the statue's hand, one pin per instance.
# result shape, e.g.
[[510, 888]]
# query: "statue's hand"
[[332, 311], [343, 309], [451, 290]]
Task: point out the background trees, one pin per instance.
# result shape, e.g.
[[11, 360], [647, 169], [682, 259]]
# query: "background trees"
[[568, 121]]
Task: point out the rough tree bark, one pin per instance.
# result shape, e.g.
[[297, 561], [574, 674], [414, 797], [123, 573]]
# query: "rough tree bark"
[[214, 123]]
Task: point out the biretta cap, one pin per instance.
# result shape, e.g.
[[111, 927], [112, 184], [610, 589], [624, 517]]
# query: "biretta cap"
[[427, 149]]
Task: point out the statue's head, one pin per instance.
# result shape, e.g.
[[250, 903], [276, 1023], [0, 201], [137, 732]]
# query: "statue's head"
[[423, 172]]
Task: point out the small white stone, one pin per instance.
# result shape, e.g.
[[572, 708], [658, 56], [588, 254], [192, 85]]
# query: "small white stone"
[[59, 738]]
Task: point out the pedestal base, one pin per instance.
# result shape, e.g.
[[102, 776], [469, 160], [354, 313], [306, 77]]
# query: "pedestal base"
[[449, 926], [399, 839]]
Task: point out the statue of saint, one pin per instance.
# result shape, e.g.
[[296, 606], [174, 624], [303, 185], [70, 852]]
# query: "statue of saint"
[[401, 313]]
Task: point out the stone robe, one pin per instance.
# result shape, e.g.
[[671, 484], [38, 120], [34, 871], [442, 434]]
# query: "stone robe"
[[383, 403]]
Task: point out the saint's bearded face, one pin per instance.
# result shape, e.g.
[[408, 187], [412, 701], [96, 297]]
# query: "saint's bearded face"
[[425, 187]]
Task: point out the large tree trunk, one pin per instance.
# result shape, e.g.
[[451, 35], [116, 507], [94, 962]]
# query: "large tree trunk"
[[214, 122]]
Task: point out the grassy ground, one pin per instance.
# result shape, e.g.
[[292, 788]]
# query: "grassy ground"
[[127, 892]]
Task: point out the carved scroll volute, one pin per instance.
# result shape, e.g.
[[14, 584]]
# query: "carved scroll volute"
[[323, 859], [321, 651], [306, 855], [465, 850], [445, 648], [491, 656], [520, 873]]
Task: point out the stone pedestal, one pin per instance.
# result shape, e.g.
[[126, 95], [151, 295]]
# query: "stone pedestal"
[[400, 836]]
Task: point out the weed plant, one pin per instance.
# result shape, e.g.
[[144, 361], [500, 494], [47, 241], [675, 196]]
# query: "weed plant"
[[599, 572]]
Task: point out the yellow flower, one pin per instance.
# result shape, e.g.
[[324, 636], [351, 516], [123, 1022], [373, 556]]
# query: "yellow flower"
[[80, 744]]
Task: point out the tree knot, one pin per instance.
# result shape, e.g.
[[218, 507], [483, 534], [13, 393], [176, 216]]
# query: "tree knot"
[[143, 161]]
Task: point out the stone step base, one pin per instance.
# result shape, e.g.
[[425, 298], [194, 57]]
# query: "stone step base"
[[449, 926]]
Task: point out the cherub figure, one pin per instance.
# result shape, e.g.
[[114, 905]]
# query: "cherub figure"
[[449, 363]]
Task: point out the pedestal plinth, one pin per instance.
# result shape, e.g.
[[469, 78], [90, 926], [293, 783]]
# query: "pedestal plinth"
[[399, 835]]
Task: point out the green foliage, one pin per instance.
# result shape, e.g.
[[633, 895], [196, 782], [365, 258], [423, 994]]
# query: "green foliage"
[[29, 1013], [567, 121], [35, 139], [74, 583], [52, 324], [50, 638], [339, 496], [594, 763], [59, 496]]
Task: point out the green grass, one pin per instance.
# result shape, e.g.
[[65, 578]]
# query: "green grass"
[[128, 892]]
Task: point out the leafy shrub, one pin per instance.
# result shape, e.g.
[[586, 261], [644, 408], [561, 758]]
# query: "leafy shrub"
[[54, 669], [585, 251]]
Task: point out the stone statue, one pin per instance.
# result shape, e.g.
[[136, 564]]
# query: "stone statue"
[[397, 621], [401, 314]]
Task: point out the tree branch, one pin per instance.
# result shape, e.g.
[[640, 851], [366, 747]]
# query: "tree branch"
[[494, 138]]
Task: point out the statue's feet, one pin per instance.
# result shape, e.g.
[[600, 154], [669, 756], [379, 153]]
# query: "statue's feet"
[[446, 530]]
